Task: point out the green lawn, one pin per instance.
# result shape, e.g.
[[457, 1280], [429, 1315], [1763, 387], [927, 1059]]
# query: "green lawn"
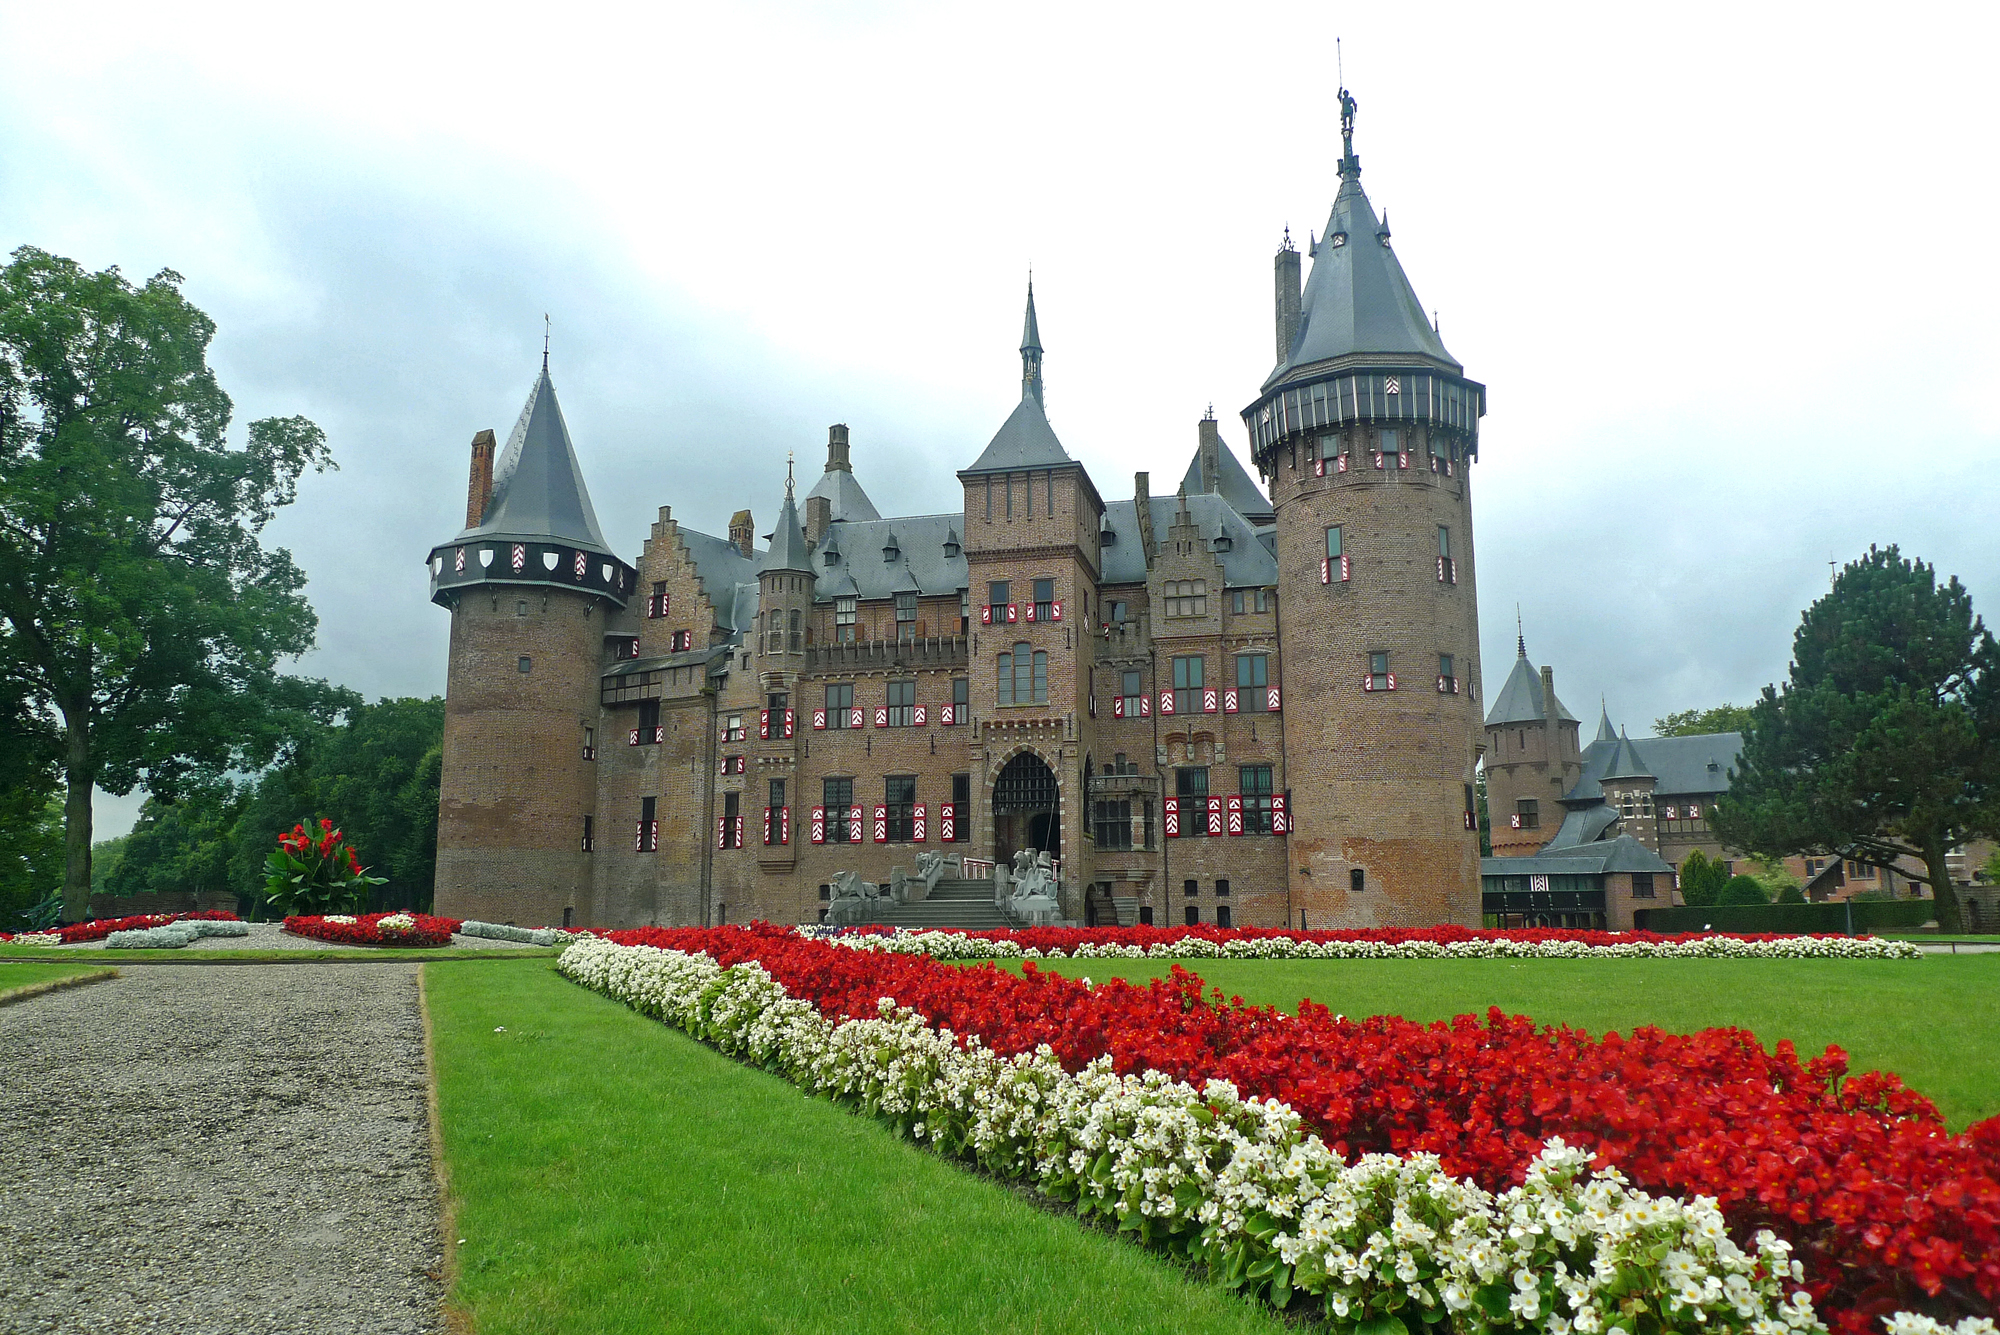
[[610, 1174], [15, 976], [1935, 1021], [97, 956]]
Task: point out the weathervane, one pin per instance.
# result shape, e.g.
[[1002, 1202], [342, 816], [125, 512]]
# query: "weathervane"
[[546, 327]]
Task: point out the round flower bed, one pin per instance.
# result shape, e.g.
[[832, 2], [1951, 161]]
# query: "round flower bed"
[[97, 929], [375, 929]]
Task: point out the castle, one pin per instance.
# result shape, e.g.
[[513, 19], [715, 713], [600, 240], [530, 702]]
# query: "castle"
[[1206, 706]]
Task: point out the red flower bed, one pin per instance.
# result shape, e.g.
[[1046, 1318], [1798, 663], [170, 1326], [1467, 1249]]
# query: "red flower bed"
[[1067, 939], [99, 928], [364, 930], [1888, 1211]]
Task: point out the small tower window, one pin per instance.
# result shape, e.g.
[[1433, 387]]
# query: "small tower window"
[[1045, 598], [1378, 672], [844, 610], [521, 607], [1447, 676], [525, 664], [906, 615], [1357, 880]]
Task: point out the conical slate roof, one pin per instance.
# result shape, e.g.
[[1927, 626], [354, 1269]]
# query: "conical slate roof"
[[1025, 440], [1031, 333], [538, 490], [1520, 700], [845, 498], [788, 550], [1605, 732], [1625, 762], [1358, 299], [1232, 483]]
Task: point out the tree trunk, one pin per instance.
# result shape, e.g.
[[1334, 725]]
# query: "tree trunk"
[[1945, 892], [80, 773]]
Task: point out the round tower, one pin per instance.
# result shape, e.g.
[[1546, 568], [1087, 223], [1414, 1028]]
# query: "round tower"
[[1365, 433], [533, 590]]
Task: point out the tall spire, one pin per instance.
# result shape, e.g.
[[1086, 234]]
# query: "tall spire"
[[1520, 635], [1031, 349], [788, 549]]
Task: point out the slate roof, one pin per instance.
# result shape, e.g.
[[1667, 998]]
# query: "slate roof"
[[1248, 563], [920, 565], [1679, 765], [846, 498], [538, 490], [1025, 440], [724, 571], [692, 658], [1582, 825], [1520, 699], [1358, 299], [1605, 732], [1625, 762], [1623, 854], [1233, 484], [788, 549]]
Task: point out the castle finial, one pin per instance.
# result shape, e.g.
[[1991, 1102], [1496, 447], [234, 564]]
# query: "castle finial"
[[788, 475], [1031, 348], [1349, 164], [1520, 635], [546, 327]]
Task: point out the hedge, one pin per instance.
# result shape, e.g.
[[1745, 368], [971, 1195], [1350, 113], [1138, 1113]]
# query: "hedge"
[[1870, 915]]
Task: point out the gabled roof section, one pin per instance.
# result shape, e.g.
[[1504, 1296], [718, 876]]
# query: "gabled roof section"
[[1695, 766], [1248, 564], [1520, 699], [1232, 483], [846, 499], [1025, 440], [788, 550], [538, 490], [1358, 299]]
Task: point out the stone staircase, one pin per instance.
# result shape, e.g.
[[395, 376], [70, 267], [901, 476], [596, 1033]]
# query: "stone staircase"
[[954, 904]]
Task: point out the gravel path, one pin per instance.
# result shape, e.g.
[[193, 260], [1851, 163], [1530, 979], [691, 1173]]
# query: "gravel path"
[[210, 1150]]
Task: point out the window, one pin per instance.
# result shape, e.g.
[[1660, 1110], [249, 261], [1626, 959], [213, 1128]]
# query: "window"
[[1221, 889], [1642, 885], [681, 642], [521, 607], [1187, 597], [649, 723], [1113, 825], [964, 610], [795, 630], [649, 825], [589, 835], [526, 664], [1333, 542], [1193, 916], [839, 705], [777, 702], [1250, 600], [899, 794], [590, 743], [1222, 918], [1190, 888], [1188, 674], [843, 620], [1255, 782], [1191, 786], [838, 795], [1378, 672], [1114, 613], [1356, 880], [1388, 447], [961, 808], [961, 699], [1024, 676], [1447, 675], [777, 793], [1528, 814], [906, 616], [1045, 599], [732, 728], [1253, 683], [1132, 693], [656, 606], [902, 703], [996, 601], [1447, 568], [732, 821]]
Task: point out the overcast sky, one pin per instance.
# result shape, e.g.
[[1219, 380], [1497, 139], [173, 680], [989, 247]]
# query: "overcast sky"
[[1728, 271]]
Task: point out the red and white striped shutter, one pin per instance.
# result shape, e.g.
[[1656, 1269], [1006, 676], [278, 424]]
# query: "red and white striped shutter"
[[1173, 814], [881, 716], [922, 716], [1319, 467], [660, 734], [819, 825], [1208, 701], [1471, 821], [881, 825], [1346, 570], [1441, 687], [854, 717], [854, 822], [1326, 570], [639, 838], [767, 827], [1166, 702], [520, 556], [1055, 612], [458, 562], [722, 831], [764, 724], [790, 716], [1235, 813], [726, 765], [1013, 610], [635, 737], [947, 822], [1340, 464], [1378, 458], [1513, 822], [1215, 815], [819, 720], [784, 825], [1118, 706], [739, 833], [1392, 681], [1367, 681], [986, 615], [945, 716], [1271, 698], [918, 825], [1229, 700], [1281, 820], [1145, 706], [1031, 612], [1402, 459]]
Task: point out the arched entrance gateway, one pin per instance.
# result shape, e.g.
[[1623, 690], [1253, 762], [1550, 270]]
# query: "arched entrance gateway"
[[1026, 808]]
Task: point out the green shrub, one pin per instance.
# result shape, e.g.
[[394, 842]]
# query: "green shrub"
[[1791, 894], [1743, 890], [1897, 915], [1702, 879]]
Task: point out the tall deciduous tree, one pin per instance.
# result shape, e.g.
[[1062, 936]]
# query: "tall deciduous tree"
[[140, 617], [1693, 722], [1884, 744]]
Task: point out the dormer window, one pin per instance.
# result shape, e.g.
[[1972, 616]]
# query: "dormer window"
[[951, 549], [831, 558], [891, 552], [1107, 537], [1223, 542]]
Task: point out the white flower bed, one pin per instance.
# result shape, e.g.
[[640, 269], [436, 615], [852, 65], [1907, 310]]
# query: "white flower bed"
[[940, 944], [174, 935], [38, 939], [500, 931], [1237, 1184]]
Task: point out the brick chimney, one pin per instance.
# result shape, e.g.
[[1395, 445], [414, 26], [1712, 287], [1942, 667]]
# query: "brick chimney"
[[1142, 504], [1211, 453], [1286, 277], [741, 533], [836, 449], [479, 490], [819, 518]]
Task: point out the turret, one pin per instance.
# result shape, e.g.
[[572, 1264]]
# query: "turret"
[[531, 586], [1364, 433], [785, 592]]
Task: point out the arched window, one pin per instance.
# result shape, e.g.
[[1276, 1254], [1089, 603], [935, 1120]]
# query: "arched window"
[[1023, 676]]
